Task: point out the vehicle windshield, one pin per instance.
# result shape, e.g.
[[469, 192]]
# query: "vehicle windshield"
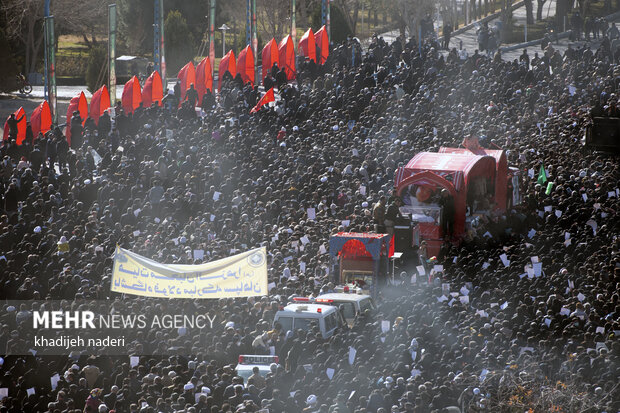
[[286, 323], [366, 304], [245, 374], [347, 307], [305, 323]]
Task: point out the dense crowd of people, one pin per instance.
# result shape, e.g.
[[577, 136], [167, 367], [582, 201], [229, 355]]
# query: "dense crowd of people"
[[148, 182]]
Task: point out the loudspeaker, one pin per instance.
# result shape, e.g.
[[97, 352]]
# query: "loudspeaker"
[[402, 238]]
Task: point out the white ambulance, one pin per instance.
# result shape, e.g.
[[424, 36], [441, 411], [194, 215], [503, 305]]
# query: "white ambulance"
[[303, 316]]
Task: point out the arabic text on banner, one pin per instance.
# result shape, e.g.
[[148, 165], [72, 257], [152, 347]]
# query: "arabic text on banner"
[[241, 275]]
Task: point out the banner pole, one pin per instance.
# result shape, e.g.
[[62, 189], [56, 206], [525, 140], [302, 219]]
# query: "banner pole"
[[255, 42], [212, 36], [112, 53], [293, 28], [51, 60]]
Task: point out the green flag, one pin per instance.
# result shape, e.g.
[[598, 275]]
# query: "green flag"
[[549, 187], [542, 176]]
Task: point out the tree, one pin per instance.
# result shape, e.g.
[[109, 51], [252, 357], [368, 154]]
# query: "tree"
[[539, 10], [529, 11], [8, 68], [276, 17], [96, 68], [23, 24], [85, 18], [340, 29], [135, 26], [180, 45], [409, 13]]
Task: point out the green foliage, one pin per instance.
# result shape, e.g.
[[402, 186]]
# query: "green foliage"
[[8, 68], [135, 27], [96, 64], [180, 45], [339, 27]]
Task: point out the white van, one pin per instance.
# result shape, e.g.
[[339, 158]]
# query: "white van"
[[350, 303], [302, 316]]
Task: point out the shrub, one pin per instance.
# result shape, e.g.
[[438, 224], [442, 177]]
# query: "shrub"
[[95, 70]]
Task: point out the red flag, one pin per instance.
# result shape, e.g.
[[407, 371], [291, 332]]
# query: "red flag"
[[267, 97]]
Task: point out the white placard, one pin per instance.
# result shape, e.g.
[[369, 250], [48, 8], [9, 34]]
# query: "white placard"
[[442, 298], [581, 297], [505, 260], [271, 286], [216, 196], [530, 173], [537, 269], [564, 311], [438, 268], [311, 213], [54, 381], [322, 249], [30, 391], [611, 194], [483, 375], [534, 259], [585, 197], [352, 353], [136, 233], [4, 392], [302, 266], [504, 306], [548, 208], [600, 330], [272, 350], [385, 326], [330, 372], [414, 279], [363, 189], [421, 270], [531, 233], [464, 299], [134, 361], [547, 321], [212, 217], [136, 212], [464, 290], [346, 222], [558, 213], [304, 240], [199, 254]]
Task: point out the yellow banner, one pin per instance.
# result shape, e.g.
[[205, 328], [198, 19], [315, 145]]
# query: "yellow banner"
[[242, 275]]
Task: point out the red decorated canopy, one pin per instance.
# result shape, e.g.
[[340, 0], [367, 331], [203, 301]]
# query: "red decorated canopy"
[[99, 103], [286, 51], [307, 45], [245, 65], [187, 76], [80, 104], [227, 64], [41, 119], [361, 244], [153, 90], [270, 56], [132, 95], [204, 78], [21, 126], [322, 45]]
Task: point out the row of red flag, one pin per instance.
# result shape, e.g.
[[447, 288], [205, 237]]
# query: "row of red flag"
[[314, 46]]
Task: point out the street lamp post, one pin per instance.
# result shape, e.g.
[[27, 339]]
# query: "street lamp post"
[[223, 28]]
